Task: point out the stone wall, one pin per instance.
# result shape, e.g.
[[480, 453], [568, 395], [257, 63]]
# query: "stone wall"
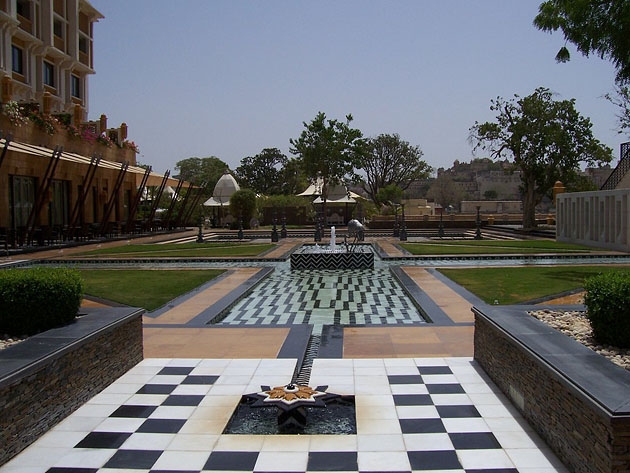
[[597, 219], [586, 437], [36, 401]]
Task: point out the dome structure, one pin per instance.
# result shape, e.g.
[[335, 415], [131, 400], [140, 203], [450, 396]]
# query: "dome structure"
[[223, 190]]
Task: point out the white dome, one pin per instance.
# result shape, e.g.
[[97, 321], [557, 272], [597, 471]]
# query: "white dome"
[[226, 186]]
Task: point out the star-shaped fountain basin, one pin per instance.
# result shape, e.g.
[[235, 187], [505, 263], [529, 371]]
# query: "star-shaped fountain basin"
[[292, 396]]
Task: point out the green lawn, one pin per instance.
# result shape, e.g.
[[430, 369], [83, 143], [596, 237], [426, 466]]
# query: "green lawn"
[[143, 288], [513, 285], [461, 247], [183, 250]]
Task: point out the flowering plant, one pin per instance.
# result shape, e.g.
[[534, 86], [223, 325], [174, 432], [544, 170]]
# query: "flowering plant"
[[73, 131], [88, 135], [104, 139], [46, 122], [132, 146], [15, 113]]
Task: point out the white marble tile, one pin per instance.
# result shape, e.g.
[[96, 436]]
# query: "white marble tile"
[[484, 458], [85, 458], [429, 362], [533, 457], [195, 389], [439, 379], [172, 412], [465, 424], [239, 443], [193, 442], [147, 441], [166, 379], [378, 426], [519, 440], [508, 424], [109, 399], [181, 460], [286, 443], [428, 442], [119, 424], [154, 362], [281, 461], [383, 461], [451, 399], [333, 443], [38, 456], [409, 389], [417, 412], [380, 443], [95, 410], [146, 399], [184, 362]]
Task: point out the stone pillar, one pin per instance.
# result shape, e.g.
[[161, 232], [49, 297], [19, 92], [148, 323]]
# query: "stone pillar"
[[123, 131], [103, 123], [77, 115], [7, 89], [47, 102]]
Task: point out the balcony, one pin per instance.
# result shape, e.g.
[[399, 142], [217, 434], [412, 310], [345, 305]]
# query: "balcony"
[[25, 24]]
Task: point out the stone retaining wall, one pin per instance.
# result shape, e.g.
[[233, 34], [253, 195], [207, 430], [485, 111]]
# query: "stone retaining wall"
[[33, 401], [586, 435]]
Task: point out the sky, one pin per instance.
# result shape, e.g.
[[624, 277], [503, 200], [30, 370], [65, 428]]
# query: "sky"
[[228, 78]]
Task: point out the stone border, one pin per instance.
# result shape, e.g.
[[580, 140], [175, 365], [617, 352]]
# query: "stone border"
[[46, 377], [577, 400]]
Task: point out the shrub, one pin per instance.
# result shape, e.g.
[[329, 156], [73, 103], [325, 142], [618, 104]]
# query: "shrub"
[[37, 299], [243, 204], [608, 307]]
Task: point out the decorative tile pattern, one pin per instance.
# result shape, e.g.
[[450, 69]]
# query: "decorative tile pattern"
[[324, 298], [434, 426]]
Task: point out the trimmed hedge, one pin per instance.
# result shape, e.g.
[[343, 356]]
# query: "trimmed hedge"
[[37, 299], [608, 307]]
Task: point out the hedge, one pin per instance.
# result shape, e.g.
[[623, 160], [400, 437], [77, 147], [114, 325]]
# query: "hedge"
[[607, 303], [37, 299]]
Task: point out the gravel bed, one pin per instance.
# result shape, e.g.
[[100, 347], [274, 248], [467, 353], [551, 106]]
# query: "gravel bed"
[[575, 324], [6, 341]]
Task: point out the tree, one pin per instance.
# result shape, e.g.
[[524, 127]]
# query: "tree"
[[200, 170], [390, 193], [328, 149], [622, 100], [444, 191], [490, 194], [293, 178], [243, 205], [599, 27], [390, 160], [261, 173], [547, 139]]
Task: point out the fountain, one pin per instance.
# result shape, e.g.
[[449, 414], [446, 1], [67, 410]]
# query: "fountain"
[[351, 256], [293, 409]]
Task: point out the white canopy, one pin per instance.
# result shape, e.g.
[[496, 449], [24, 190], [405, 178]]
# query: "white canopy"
[[335, 193], [223, 190]]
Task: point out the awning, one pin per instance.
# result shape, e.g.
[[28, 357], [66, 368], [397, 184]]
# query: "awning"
[[217, 202], [154, 179]]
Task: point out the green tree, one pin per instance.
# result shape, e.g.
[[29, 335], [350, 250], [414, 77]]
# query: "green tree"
[[622, 101], [263, 173], [547, 139], [599, 27], [293, 178], [389, 193], [389, 160], [490, 194], [201, 170], [243, 205], [328, 149]]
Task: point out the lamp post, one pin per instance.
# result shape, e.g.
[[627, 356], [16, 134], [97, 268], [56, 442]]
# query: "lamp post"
[[240, 227], [274, 231], [403, 229], [318, 229], [200, 234], [283, 231], [441, 225], [478, 232], [360, 234], [396, 229]]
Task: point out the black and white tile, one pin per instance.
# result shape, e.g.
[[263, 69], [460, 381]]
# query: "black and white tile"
[[421, 415]]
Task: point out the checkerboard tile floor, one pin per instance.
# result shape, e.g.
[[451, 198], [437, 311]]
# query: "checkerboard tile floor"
[[425, 415], [320, 298]]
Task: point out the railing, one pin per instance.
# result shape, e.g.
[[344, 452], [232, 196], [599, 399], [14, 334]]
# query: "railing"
[[623, 166]]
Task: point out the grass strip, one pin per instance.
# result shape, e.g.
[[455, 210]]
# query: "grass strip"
[[183, 250], [492, 247], [149, 289], [514, 285]]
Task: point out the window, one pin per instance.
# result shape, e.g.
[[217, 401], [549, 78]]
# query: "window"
[[49, 74], [24, 8], [58, 28], [83, 44], [18, 60], [58, 209], [76, 86], [21, 199]]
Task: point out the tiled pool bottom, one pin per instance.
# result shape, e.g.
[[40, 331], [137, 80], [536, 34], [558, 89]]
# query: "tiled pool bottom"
[[427, 414], [325, 297]]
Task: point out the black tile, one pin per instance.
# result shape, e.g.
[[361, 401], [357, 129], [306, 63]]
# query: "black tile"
[[197, 379], [182, 400], [458, 411], [500, 470], [434, 460], [103, 440], [161, 426], [175, 370], [463, 441], [174, 471], [240, 461], [133, 459], [445, 389], [133, 411], [421, 426], [412, 400], [156, 389], [332, 461], [405, 379], [434, 370], [63, 469]]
